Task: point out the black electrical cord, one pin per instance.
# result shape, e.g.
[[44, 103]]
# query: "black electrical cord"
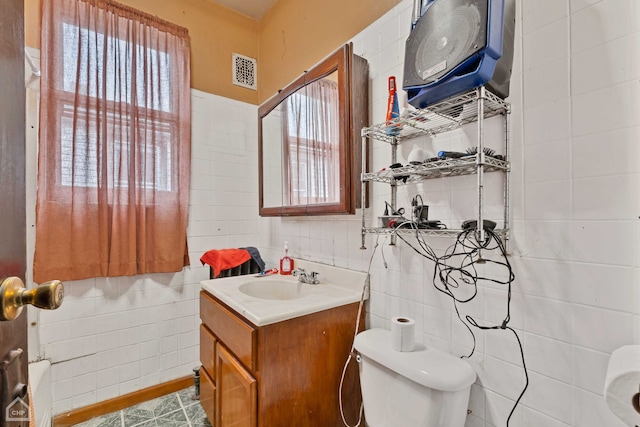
[[457, 268]]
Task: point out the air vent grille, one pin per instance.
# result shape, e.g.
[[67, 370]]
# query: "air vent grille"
[[244, 71]]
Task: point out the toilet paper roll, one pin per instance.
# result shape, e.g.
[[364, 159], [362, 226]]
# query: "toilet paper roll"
[[403, 333], [622, 384]]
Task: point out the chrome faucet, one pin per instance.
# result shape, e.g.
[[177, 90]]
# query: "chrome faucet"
[[312, 278]]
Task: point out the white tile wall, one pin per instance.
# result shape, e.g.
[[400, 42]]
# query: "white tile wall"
[[574, 246], [118, 335], [575, 202]]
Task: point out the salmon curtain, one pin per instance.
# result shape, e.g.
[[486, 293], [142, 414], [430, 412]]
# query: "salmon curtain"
[[114, 146]]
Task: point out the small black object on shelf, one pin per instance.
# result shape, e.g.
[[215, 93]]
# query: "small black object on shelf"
[[486, 150], [471, 224], [404, 178]]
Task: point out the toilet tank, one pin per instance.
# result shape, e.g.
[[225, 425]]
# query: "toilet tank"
[[423, 388]]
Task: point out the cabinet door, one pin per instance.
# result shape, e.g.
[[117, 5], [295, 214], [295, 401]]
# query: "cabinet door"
[[236, 392], [207, 396]]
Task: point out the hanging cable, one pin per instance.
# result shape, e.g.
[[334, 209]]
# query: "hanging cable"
[[365, 291], [456, 275]]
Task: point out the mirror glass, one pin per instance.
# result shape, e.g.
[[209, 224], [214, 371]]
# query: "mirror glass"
[[273, 158], [308, 161], [301, 150]]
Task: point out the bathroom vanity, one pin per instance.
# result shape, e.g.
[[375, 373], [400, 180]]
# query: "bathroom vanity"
[[273, 350]]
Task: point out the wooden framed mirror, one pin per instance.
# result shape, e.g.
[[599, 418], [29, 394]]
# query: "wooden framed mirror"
[[309, 145]]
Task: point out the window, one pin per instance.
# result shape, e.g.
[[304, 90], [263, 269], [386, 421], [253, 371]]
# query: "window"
[[78, 159], [114, 153]]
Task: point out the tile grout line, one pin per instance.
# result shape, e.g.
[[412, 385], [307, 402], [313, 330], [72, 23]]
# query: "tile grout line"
[[184, 411], [155, 418]]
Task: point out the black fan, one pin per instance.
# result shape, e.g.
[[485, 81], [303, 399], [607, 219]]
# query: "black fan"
[[458, 45]]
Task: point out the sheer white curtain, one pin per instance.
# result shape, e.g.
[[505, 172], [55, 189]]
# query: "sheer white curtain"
[[312, 144]]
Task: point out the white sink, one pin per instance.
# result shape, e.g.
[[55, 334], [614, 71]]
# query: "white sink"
[[275, 298], [275, 289]]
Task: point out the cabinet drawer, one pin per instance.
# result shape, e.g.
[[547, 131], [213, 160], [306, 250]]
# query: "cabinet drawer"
[[208, 350], [208, 396], [237, 336]]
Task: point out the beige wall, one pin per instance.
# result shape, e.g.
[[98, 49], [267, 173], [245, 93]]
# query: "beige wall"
[[293, 36], [296, 34], [216, 32]]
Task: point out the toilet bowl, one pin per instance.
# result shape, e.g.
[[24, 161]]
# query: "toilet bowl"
[[422, 388]]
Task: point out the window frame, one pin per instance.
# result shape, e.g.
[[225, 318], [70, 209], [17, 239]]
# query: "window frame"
[[57, 191]]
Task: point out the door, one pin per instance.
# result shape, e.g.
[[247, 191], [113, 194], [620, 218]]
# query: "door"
[[14, 375], [13, 334]]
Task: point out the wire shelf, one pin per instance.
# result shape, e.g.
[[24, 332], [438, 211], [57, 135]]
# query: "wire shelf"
[[473, 106], [436, 169], [447, 232], [440, 117]]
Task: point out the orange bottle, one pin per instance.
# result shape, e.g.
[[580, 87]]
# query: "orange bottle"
[[286, 262]]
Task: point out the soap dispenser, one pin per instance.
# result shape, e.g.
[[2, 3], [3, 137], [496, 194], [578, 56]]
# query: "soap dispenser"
[[286, 263]]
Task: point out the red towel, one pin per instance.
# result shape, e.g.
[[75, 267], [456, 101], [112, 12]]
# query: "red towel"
[[223, 259]]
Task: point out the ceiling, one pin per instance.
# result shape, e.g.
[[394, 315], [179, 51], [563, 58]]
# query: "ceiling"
[[251, 8]]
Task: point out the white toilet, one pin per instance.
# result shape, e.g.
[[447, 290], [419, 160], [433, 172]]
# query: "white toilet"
[[422, 388]]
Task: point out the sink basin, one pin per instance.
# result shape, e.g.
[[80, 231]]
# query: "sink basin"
[[275, 289], [274, 298]]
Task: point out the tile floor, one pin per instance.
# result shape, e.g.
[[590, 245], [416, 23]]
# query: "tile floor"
[[172, 410]]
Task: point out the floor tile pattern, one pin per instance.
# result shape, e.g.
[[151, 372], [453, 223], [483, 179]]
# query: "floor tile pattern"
[[173, 410]]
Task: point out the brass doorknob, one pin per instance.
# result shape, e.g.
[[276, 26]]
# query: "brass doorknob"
[[14, 296]]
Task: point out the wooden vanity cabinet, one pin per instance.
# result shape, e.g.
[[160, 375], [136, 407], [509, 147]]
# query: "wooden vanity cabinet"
[[283, 374]]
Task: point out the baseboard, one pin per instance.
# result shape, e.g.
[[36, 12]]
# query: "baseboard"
[[117, 403]]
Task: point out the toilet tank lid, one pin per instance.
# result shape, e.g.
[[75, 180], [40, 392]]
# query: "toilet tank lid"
[[427, 366]]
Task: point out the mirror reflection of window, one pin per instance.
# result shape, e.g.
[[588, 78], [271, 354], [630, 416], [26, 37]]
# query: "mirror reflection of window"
[[309, 142], [312, 144]]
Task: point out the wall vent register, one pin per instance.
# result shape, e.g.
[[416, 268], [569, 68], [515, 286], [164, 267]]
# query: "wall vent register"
[[244, 71]]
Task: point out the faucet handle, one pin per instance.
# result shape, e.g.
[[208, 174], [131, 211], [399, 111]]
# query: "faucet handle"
[[315, 277], [298, 272]]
